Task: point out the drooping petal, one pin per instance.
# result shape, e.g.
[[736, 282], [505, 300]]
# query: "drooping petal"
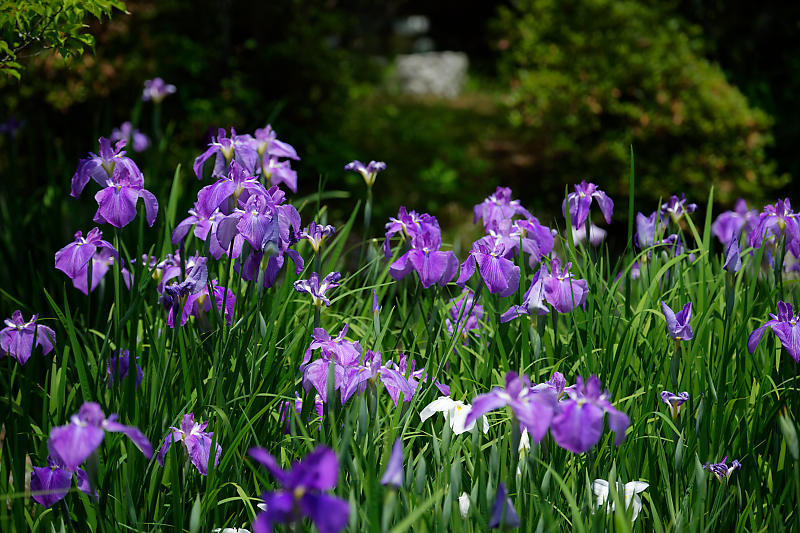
[[503, 513], [577, 427], [73, 443], [132, 433], [49, 484], [484, 403], [393, 475]]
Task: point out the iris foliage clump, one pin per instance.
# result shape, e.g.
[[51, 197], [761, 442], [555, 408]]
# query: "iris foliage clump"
[[252, 365]]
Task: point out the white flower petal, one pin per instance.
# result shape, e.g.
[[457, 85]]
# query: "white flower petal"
[[443, 403]]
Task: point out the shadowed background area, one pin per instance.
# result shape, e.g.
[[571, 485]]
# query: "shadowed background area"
[[554, 92]]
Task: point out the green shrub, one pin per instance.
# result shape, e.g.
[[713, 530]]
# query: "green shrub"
[[589, 78]]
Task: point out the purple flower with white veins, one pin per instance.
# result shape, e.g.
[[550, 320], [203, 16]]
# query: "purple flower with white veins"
[[562, 290], [786, 326], [16, 339], [74, 443], [341, 352], [537, 240], [499, 207], [776, 220], [127, 132], [578, 425], [499, 273], [231, 190], [532, 409], [101, 168], [118, 367], [409, 224], [317, 288], [156, 90], [266, 144], [431, 264], [174, 295], [284, 412], [721, 470], [51, 483], [205, 225], [646, 229], [316, 234], [239, 148], [196, 441], [117, 202], [198, 304], [677, 207], [674, 401], [678, 323], [731, 223], [369, 172], [74, 258], [580, 201], [302, 492], [276, 172]]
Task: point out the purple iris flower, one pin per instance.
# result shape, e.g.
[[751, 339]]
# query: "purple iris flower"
[[237, 148], [198, 305], [499, 273], [721, 470], [127, 133], [537, 240], [497, 208], [231, 190], [646, 229], [677, 207], [562, 290], [102, 167], [156, 90], [73, 443], [431, 264], [504, 516], [302, 492], [285, 410], [557, 384], [369, 172], [396, 378], [394, 470], [464, 316], [578, 425], [674, 401], [196, 441], [317, 288], [316, 234], [775, 220], [16, 339], [51, 483], [205, 225], [787, 328], [678, 324], [118, 367], [733, 261], [731, 223], [73, 259], [267, 144], [533, 302], [532, 409], [276, 172], [174, 295], [409, 224], [580, 201], [337, 351]]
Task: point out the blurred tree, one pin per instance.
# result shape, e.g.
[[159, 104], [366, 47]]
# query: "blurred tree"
[[589, 78]]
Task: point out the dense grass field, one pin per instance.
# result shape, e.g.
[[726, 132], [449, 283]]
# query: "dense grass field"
[[608, 401]]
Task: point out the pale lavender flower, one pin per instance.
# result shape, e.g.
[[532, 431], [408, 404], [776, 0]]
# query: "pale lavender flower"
[[316, 234], [317, 289], [132, 137], [775, 221], [674, 401], [678, 323], [226, 149], [729, 225], [195, 440], [156, 90], [409, 224], [596, 235], [677, 207], [562, 290], [464, 316], [16, 339], [646, 229], [73, 259], [499, 207], [369, 172]]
